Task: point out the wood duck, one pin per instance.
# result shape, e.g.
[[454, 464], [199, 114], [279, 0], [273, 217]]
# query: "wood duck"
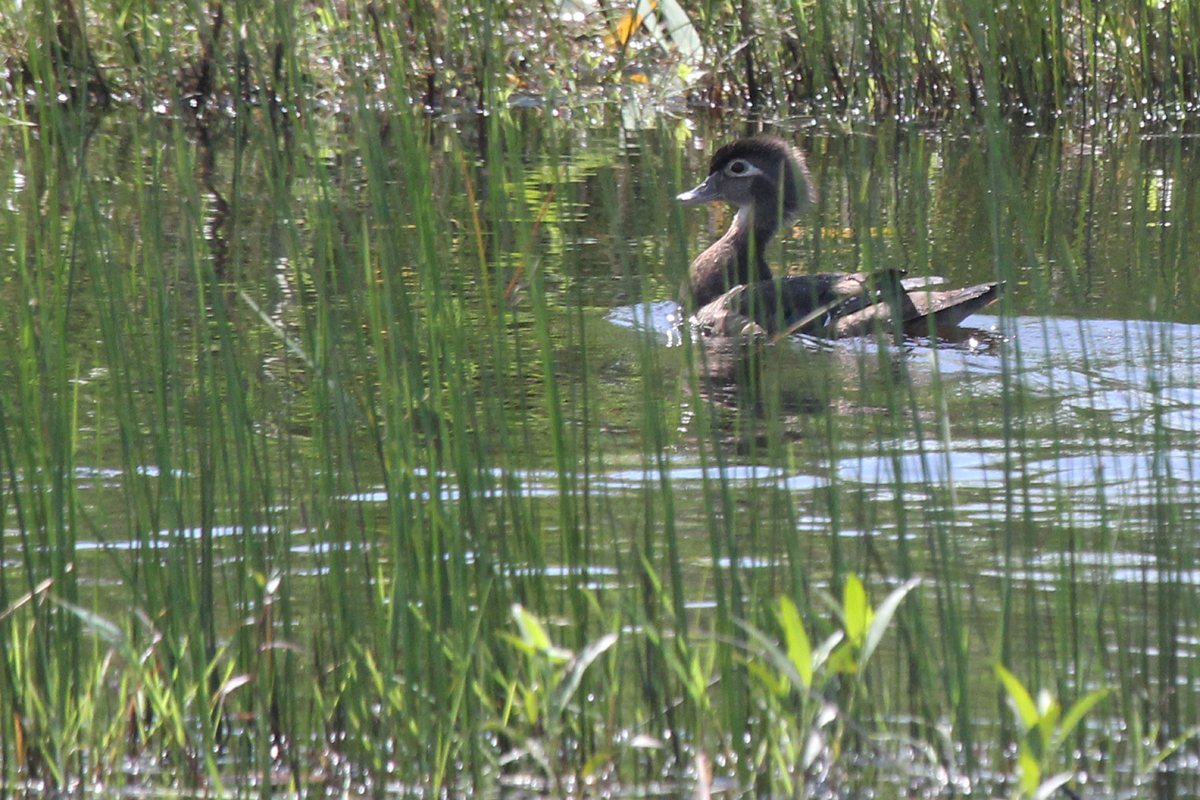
[[734, 292]]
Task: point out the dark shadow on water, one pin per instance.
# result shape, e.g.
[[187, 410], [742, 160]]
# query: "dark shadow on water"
[[737, 374]]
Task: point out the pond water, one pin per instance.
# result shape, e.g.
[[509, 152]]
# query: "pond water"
[[242, 401]]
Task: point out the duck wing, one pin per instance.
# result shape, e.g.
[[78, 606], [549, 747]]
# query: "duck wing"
[[800, 303], [950, 307], [838, 304], [843, 295], [923, 310]]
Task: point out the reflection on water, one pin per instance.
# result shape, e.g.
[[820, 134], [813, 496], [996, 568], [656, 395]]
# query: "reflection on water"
[[1117, 567], [662, 319], [1108, 414]]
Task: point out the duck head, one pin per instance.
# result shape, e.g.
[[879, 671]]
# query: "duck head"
[[766, 178]]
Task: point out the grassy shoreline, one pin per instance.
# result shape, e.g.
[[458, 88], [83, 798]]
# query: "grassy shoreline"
[[1030, 62]]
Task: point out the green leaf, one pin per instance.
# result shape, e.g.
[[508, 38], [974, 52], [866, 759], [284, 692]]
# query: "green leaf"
[[1167, 750], [1048, 787], [1077, 711], [682, 32], [1048, 713], [699, 680], [593, 764], [106, 630], [534, 635], [1022, 703], [883, 617], [690, 674], [1029, 772], [822, 653], [799, 649], [518, 642], [842, 659], [532, 631], [776, 684], [773, 653], [814, 745], [855, 610], [566, 688], [529, 699]]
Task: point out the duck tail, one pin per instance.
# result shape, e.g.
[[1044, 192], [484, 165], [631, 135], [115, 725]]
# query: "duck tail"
[[948, 308]]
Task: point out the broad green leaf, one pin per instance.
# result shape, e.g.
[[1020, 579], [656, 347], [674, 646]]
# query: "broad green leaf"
[[773, 653], [799, 649], [1048, 713], [106, 630], [594, 763], [535, 636], [777, 685], [855, 609], [814, 745], [1022, 703], [1077, 712], [682, 32], [530, 702], [518, 642], [532, 631], [1051, 785], [883, 617], [821, 654], [842, 659], [1029, 772], [566, 688]]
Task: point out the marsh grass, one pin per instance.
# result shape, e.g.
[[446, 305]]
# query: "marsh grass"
[[1035, 62], [317, 447]]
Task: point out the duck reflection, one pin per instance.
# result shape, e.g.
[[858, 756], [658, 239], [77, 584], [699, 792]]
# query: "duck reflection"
[[756, 390]]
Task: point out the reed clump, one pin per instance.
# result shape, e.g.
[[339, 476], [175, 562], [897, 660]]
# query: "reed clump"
[[1033, 61]]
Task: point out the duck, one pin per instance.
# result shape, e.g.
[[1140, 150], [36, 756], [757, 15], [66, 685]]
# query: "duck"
[[731, 289]]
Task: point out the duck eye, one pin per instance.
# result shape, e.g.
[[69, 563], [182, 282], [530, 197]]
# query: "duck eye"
[[738, 167]]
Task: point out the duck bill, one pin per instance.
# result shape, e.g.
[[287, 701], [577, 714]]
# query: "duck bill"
[[706, 192]]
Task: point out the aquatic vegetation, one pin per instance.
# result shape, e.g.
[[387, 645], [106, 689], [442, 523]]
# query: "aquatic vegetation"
[[1044, 733], [348, 444]]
